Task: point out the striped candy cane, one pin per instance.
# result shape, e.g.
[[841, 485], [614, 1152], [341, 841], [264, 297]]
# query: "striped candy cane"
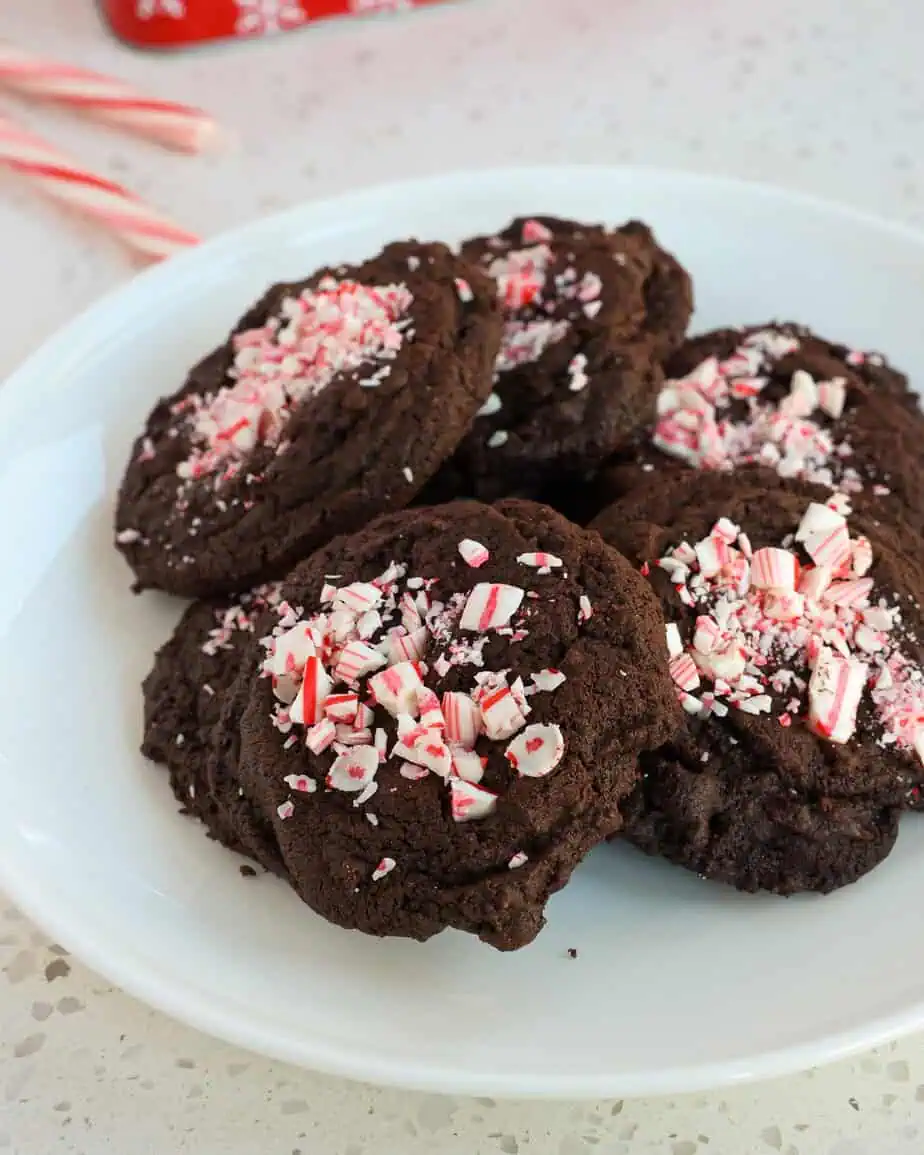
[[175, 125], [112, 206]]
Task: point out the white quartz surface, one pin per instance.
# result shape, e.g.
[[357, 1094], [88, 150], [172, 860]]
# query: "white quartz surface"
[[821, 95]]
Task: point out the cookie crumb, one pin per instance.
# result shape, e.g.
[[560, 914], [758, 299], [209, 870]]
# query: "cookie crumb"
[[572, 952], [247, 871]]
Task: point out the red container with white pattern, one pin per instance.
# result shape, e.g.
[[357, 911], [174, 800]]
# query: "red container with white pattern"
[[173, 23]]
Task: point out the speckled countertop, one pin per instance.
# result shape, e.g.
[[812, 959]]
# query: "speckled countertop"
[[821, 95]]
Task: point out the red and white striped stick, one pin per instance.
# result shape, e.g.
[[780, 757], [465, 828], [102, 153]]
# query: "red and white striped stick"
[[175, 125], [111, 205]]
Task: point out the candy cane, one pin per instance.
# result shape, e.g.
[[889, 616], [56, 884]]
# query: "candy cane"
[[175, 125], [117, 209]]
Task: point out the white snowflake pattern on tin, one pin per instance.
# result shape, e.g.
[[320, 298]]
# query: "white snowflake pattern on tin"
[[369, 6], [259, 17], [148, 9]]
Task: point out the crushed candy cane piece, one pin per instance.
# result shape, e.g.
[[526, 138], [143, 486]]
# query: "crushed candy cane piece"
[[354, 769], [308, 707], [674, 642], [540, 560], [466, 764], [321, 736], [537, 750], [684, 673], [463, 718], [832, 396], [473, 553], [301, 783], [502, 715], [386, 866], [774, 569], [358, 658], [490, 606], [834, 693], [548, 680], [413, 773], [397, 688], [469, 801]]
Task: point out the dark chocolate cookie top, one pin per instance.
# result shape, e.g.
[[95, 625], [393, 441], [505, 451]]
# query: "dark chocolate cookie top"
[[184, 695], [445, 714], [334, 399], [793, 631], [781, 397], [589, 313]]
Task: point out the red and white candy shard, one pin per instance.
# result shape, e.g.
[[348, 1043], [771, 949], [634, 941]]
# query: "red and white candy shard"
[[301, 783], [490, 606], [540, 560], [354, 769], [308, 707], [548, 680], [825, 536], [397, 688], [537, 751], [835, 690], [428, 750], [356, 659], [473, 553], [501, 713], [535, 232], [466, 764], [774, 569], [519, 859], [386, 866], [684, 673], [321, 736], [469, 801], [463, 718], [285, 809]]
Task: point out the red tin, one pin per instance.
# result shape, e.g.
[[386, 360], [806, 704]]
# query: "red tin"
[[173, 23]]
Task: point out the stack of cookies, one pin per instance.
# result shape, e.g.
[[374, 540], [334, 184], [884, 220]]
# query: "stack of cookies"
[[493, 566]]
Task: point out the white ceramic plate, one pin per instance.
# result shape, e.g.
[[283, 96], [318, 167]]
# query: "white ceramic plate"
[[679, 984]]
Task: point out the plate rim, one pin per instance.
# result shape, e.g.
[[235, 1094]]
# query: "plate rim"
[[216, 1017]]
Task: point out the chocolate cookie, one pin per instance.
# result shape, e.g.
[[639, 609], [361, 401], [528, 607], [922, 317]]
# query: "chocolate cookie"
[[183, 697], [793, 634], [445, 716], [334, 399], [779, 396], [589, 313]]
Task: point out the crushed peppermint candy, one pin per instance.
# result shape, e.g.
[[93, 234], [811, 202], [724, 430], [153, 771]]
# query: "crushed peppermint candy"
[[536, 751], [491, 406], [240, 617], [718, 417], [350, 678], [543, 562], [519, 859], [802, 638], [386, 866], [528, 293], [577, 373], [339, 327], [473, 553]]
